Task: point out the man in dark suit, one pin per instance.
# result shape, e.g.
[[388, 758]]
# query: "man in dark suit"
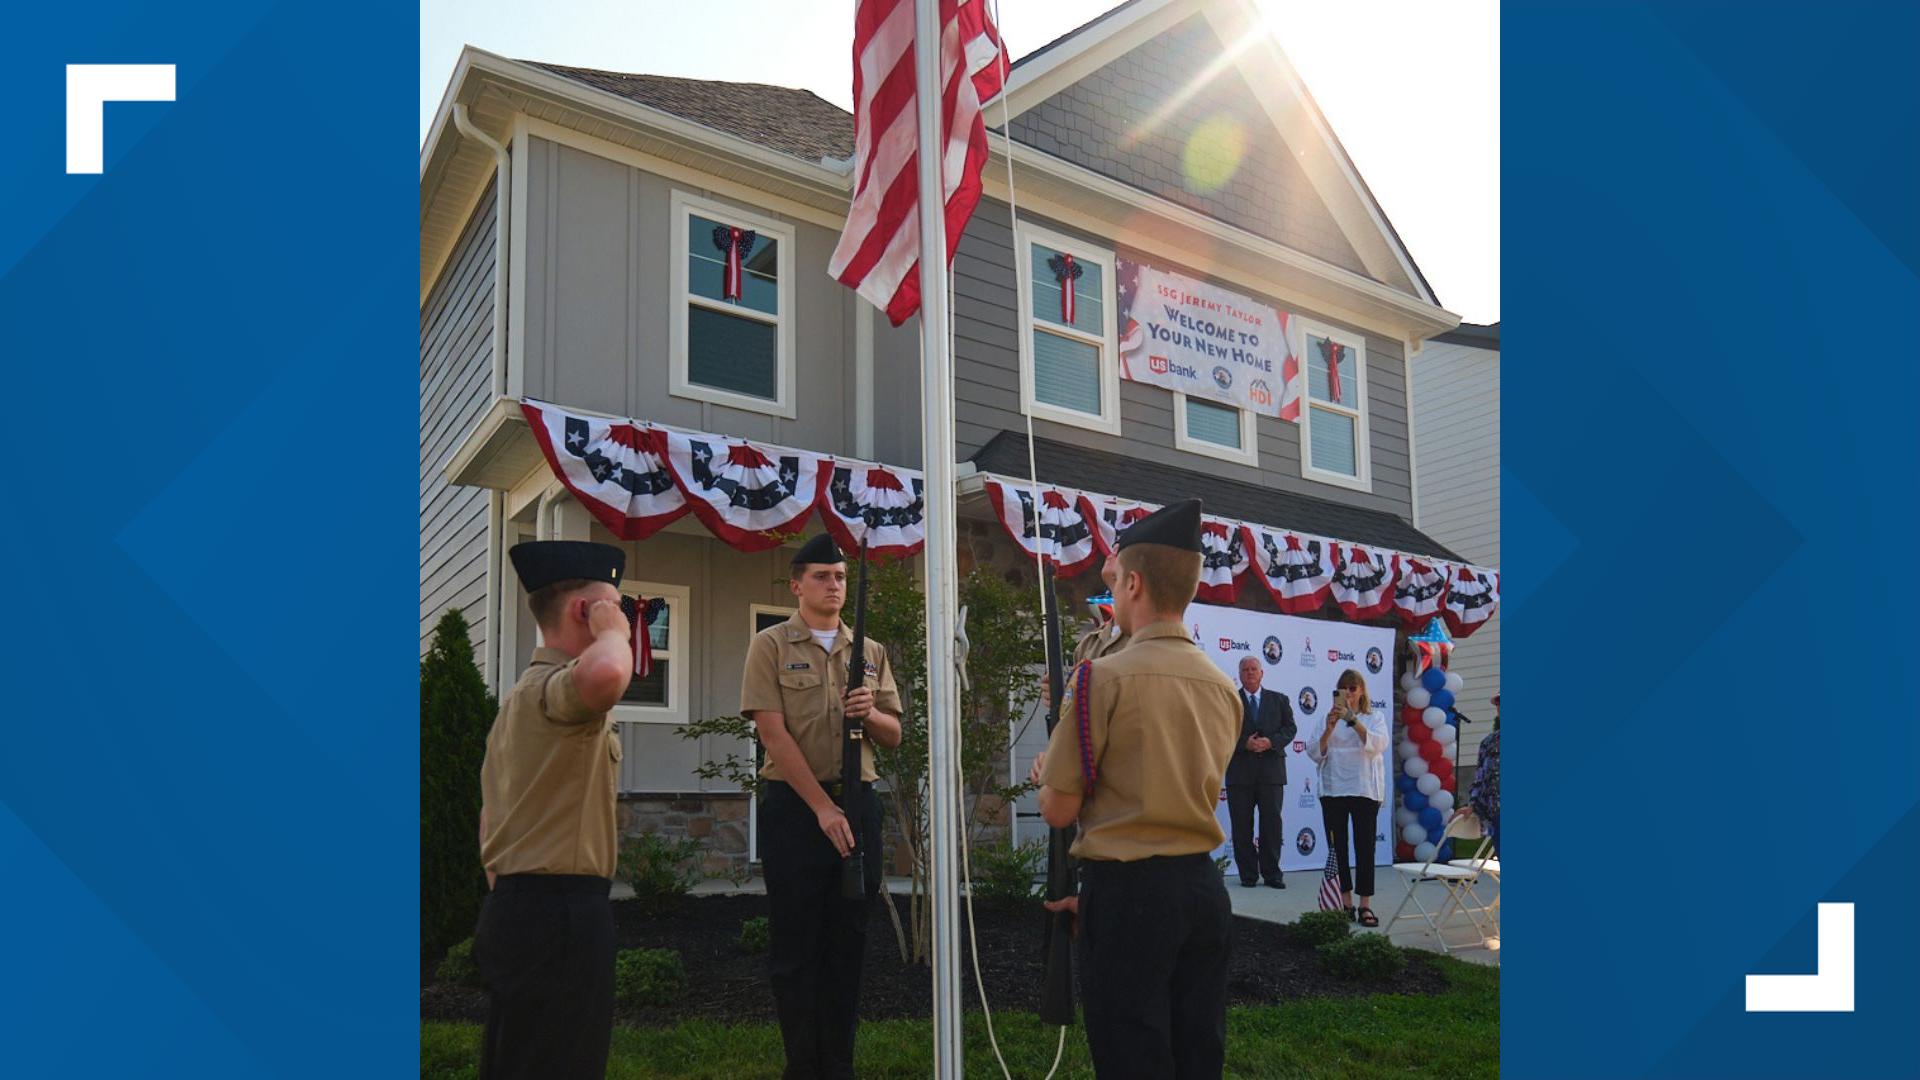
[[1257, 774]]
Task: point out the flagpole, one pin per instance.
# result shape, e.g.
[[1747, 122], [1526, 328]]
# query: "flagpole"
[[937, 451]]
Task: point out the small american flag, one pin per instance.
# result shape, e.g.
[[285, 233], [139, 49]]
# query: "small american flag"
[[879, 251], [1330, 884]]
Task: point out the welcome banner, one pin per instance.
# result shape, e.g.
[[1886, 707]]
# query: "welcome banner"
[[1199, 339]]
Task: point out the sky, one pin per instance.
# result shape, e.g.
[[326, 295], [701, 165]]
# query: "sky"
[[1411, 88]]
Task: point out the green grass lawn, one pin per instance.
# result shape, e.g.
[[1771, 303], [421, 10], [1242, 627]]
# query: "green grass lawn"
[[1451, 1035]]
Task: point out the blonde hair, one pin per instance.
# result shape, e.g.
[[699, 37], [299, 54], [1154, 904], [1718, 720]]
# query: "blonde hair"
[[1351, 678], [1170, 574]]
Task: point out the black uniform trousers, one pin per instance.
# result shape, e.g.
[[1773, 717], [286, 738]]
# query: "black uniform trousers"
[[818, 938], [1242, 799], [544, 947], [1155, 939]]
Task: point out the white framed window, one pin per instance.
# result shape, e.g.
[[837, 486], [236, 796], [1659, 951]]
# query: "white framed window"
[[737, 351], [1069, 371], [761, 616], [1219, 431], [1333, 421], [661, 697]]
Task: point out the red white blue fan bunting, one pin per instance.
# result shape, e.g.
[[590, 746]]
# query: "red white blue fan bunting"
[[1421, 590], [886, 507], [1109, 516], [1060, 533], [1363, 581], [1471, 600], [749, 497], [734, 243], [616, 469], [1297, 569], [1225, 554]]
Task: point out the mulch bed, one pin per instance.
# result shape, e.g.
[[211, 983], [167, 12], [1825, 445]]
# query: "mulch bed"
[[1270, 964]]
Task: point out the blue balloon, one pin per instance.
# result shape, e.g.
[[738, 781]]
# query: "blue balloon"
[[1452, 718], [1442, 699], [1413, 800], [1431, 821], [1434, 679], [1446, 852], [1405, 783]]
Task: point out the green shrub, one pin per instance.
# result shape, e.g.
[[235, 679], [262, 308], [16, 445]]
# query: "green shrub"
[[455, 712], [1362, 958], [458, 969], [648, 976], [661, 871], [755, 935], [1319, 928], [1007, 875]]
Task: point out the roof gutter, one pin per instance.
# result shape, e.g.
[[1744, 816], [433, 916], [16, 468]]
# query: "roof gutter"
[[503, 180]]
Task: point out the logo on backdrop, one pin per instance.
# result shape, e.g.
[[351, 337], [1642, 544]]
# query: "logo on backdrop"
[[1334, 656], [1306, 784], [1375, 661], [1227, 644], [1223, 378], [1271, 649], [1307, 659], [1304, 842], [1308, 700]]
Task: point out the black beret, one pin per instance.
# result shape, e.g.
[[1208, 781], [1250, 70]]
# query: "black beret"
[[540, 563], [820, 549], [1177, 525]]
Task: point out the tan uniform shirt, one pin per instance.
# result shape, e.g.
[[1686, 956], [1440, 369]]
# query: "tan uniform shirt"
[[1098, 642], [788, 673], [1163, 724], [551, 778]]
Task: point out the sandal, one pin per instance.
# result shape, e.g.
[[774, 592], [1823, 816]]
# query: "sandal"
[[1349, 910], [1368, 918]]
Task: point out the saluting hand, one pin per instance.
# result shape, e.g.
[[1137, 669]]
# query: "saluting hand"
[[857, 703], [833, 822], [605, 617]]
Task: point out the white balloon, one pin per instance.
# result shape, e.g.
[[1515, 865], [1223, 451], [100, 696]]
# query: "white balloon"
[[1418, 698], [1408, 751], [1455, 683], [1423, 853], [1445, 733], [1428, 784], [1436, 718], [1441, 800], [1407, 681], [1416, 767], [1404, 817], [1413, 834]]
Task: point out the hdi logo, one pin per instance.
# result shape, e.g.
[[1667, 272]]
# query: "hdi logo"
[[89, 88]]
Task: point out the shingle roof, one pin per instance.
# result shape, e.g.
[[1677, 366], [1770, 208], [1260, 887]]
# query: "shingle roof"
[[1149, 481], [797, 122]]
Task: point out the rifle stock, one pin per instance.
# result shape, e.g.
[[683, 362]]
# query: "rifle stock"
[[853, 869], [1056, 993]]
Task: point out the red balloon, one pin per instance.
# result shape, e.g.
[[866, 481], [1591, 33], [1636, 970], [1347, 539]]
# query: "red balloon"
[[1411, 715], [1444, 770], [1402, 851], [1434, 753], [1419, 733]]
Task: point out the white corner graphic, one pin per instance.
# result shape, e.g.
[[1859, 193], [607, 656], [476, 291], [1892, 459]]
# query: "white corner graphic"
[[89, 88], [1829, 988]]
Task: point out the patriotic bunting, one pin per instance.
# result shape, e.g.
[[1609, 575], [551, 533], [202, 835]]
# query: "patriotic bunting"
[[1066, 272], [751, 498], [1225, 554], [641, 614], [1471, 600], [885, 507], [1297, 570], [1061, 533], [615, 468], [1363, 581], [734, 244], [1421, 590], [1330, 354], [1109, 516]]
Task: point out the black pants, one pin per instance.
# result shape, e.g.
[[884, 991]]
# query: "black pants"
[[819, 939], [1155, 936], [544, 946], [1337, 814], [1241, 801]]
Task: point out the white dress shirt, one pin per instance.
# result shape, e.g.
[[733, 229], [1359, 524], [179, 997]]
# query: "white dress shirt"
[[1351, 764]]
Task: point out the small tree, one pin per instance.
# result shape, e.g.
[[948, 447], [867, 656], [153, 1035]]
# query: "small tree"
[[455, 712]]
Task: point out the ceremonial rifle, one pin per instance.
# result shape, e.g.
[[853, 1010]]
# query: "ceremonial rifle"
[[853, 871], [1056, 992]]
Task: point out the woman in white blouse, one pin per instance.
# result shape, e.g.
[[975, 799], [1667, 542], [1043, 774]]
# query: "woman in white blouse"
[[1349, 752]]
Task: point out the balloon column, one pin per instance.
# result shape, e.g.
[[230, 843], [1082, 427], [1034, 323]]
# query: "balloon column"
[[1425, 782]]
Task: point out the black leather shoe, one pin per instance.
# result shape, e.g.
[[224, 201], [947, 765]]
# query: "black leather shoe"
[[1277, 883], [1248, 883]]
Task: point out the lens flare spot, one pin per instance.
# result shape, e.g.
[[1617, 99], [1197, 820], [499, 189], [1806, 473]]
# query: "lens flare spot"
[[1213, 154]]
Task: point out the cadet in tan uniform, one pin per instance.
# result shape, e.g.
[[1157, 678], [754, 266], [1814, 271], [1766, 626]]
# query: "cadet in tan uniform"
[[544, 944], [794, 691], [1106, 635], [1138, 760]]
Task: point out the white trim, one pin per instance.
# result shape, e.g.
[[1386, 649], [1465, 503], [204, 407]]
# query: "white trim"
[[1247, 454], [493, 665], [1362, 446], [511, 533], [1025, 236], [517, 265], [684, 206], [754, 611], [1092, 46], [1409, 347], [678, 655]]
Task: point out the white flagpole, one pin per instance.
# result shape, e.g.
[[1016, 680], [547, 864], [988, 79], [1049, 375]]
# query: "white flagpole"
[[936, 441]]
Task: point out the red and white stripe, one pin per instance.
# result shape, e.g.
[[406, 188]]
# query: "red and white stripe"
[[1472, 599], [616, 468], [1363, 581], [752, 498], [1421, 590], [1058, 531], [879, 251], [1226, 553], [1331, 898], [1109, 516], [1289, 374], [1297, 569]]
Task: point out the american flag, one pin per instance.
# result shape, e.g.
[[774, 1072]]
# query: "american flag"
[[879, 252], [1330, 884]]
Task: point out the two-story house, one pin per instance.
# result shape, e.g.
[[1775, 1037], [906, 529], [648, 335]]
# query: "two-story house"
[[576, 249]]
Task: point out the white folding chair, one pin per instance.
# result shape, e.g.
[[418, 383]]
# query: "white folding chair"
[[1456, 883], [1487, 866]]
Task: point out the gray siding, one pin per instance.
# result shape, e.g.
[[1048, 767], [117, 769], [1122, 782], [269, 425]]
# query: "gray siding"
[[599, 297], [987, 385], [456, 364], [1109, 122]]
